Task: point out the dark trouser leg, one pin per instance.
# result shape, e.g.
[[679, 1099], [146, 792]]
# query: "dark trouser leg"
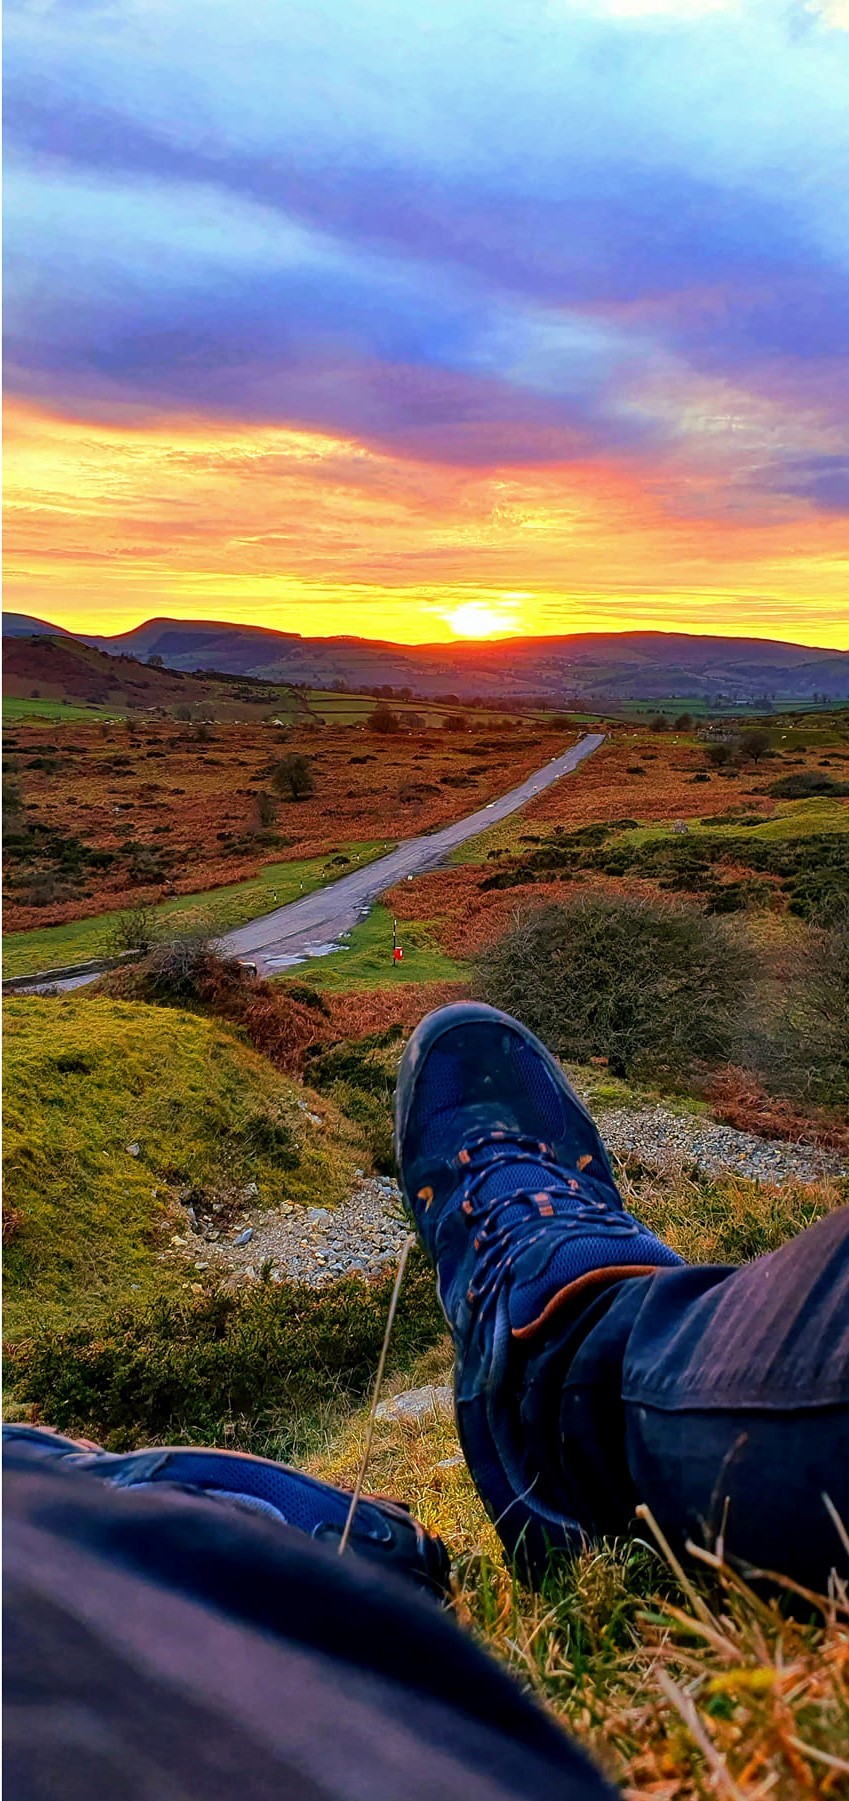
[[715, 1396]]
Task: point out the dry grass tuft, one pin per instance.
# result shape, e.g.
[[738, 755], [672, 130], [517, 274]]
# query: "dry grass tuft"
[[683, 1691], [738, 1099]]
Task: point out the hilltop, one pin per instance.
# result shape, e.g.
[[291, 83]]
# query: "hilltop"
[[602, 668]]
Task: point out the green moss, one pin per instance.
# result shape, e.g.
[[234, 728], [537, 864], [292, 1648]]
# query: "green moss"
[[86, 1079]]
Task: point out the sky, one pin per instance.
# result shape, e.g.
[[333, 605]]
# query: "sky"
[[462, 318]]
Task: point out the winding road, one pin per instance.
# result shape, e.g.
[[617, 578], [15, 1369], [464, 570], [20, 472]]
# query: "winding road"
[[313, 926]]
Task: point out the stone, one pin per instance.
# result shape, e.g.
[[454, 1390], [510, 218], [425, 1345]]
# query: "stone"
[[244, 1237], [133, 1150], [417, 1403], [251, 1192]]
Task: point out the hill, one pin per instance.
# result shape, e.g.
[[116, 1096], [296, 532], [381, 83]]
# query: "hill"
[[70, 670], [598, 668]]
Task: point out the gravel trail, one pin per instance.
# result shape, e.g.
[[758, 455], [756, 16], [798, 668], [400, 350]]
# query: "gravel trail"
[[317, 1244]]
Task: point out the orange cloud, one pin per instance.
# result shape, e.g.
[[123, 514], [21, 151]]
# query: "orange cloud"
[[309, 532]]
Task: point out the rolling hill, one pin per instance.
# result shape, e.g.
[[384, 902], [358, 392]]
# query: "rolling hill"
[[600, 668]]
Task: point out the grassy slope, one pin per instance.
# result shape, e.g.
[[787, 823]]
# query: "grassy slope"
[[216, 909], [368, 961], [51, 711], [794, 819], [86, 1078], [592, 1644]]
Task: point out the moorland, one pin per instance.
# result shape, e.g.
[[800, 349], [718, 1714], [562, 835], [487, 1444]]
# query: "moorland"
[[164, 1121]]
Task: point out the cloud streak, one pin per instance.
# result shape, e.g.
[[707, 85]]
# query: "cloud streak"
[[565, 247]]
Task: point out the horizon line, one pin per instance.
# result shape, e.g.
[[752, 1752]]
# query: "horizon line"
[[428, 644]]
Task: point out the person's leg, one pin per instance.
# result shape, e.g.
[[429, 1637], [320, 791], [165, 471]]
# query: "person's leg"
[[159, 1643], [719, 1397], [593, 1369]]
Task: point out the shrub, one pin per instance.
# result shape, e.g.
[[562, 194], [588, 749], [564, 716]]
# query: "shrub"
[[656, 988], [241, 1364], [135, 930], [684, 722], [806, 783], [292, 777], [659, 723], [455, 722], [265, 811], [820, 1012], [384, 722], [719, 754]]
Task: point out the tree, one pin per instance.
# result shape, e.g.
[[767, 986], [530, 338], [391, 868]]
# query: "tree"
[[659, 723], [684, 722], [265, 811], [292, 777], [156, 661], [383, 721], [719, 754], [455, 722], [755, 743]]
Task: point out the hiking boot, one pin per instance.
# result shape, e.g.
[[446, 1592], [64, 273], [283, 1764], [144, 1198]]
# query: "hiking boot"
[[514, 1199], [382, 1530]]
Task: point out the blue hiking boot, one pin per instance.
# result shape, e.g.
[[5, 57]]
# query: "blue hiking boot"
[[515, 1202], [382, 1530]]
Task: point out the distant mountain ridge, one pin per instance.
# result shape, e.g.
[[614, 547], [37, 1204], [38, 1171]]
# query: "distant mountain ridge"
[[599, 667]]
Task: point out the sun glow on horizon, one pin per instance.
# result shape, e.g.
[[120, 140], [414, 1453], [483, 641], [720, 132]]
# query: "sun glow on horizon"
[[474, 619]]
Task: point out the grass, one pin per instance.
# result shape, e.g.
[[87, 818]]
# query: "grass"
[[681, 1691], [218, 910], [622, 1653], [89, 1223], [16, 709], [368, 960], [797, 819]]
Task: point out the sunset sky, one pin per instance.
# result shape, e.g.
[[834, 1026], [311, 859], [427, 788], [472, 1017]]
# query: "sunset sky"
[[456, 318]]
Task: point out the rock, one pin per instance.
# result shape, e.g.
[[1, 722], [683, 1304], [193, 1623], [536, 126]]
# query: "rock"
[[244, 1237], [316, 1215], [133, 1150], [416, 1403], [251, 1192], [450, 1463]]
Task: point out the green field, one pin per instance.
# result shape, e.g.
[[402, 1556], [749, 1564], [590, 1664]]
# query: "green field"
[[217, 910], [797, 819], [52, 711], [368, 960]]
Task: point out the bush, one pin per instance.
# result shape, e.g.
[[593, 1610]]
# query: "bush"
[[719, 754], [135, 930], [384, 722], [659, 723], [240, 1365], [684, 722], [820, 1013], [265, 811], [655, 988], [806, 783], [292, 777]]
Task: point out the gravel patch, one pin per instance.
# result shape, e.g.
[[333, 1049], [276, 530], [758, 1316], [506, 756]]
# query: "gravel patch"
[[318, 1244], [666, 1140]]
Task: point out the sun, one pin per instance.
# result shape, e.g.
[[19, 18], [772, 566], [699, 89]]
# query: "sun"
[[474, 619]]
